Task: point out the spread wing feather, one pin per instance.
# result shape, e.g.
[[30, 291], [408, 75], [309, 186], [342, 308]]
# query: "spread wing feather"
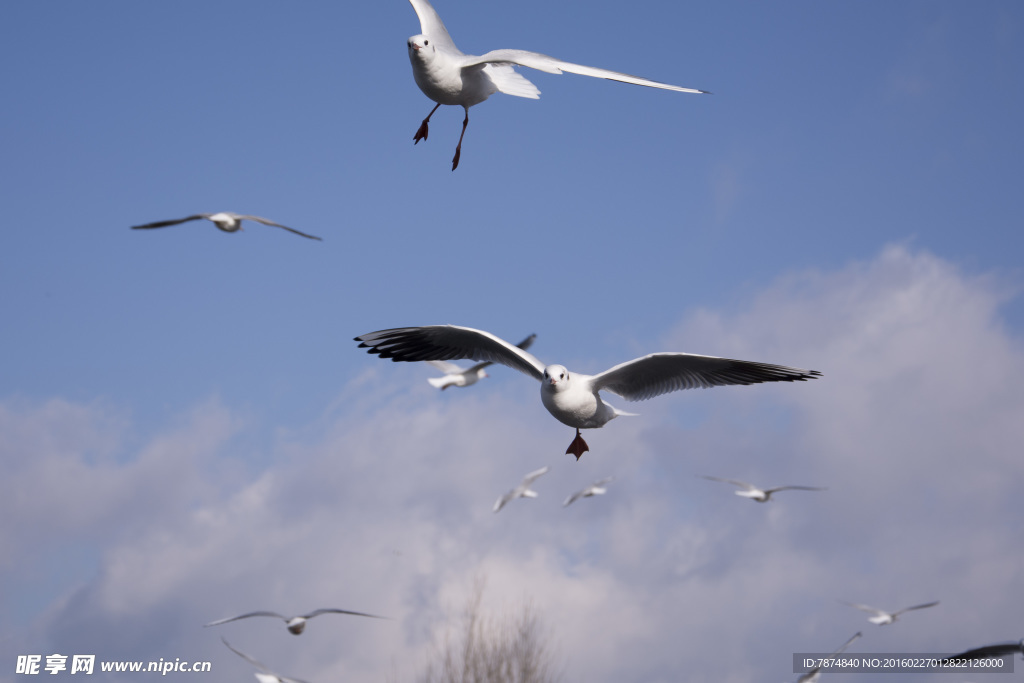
[[660, 373], [551, 65], [449, 342]]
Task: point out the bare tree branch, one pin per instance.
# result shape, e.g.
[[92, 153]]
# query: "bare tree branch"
[[511, 648]]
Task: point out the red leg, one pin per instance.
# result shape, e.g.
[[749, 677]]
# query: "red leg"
[[458, 148], [421, 134], [578, 446]]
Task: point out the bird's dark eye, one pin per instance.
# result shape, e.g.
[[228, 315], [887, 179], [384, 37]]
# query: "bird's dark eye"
[[426, 42]]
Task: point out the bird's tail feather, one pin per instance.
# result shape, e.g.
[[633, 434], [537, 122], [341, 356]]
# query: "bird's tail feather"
[[619, 413]]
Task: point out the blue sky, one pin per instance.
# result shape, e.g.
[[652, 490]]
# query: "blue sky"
[[182, 409]]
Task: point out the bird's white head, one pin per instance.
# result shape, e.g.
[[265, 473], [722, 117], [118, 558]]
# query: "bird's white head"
[[556, 378], [296, 625], [420, 47]]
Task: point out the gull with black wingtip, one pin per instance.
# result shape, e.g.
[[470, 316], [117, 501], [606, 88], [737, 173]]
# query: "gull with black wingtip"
[[225, 220], [881, 617], [573, 398], [759, 494], [295, 625]]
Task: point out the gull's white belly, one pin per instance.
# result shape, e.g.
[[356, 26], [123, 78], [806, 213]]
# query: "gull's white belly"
[[446, 83], [580, 409]]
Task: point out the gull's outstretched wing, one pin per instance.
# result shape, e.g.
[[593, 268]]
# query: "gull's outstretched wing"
[[813, 675], [734, 482], [533, 476], [525, 344], [331, 610], [449, 342], [246, 616], [573, 498], [432, 27], [267, 674], [264, 221], [528, 342], [176, 221], [258, 664], [506, 497], [842, 648], [541, 62], [592, 489], [660, 373], [866, 608], [794, 488], [907, 609], [999, 650]]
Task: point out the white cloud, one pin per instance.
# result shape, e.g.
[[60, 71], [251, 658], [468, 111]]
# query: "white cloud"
[[384, 504]]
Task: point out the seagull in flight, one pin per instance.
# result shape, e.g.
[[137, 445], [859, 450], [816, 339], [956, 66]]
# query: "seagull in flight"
[[761, 495], [573, 399], [457, 377], [598, 488], [267, 676], [448, 76], [881, 617], [521, 491], [295, 625], [225, 220], [814, 674], [988, 651]]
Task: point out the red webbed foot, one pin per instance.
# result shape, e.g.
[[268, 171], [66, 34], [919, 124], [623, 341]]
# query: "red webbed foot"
[[578, 446], [421, 134]]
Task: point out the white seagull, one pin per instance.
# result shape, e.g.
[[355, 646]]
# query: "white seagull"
[[881, 616], [448, 76], [225, 220], [573, 399], [267, 676], [758, 494], [598, 488], [295, 625], [521, 491], [814, 674], [457, 377]]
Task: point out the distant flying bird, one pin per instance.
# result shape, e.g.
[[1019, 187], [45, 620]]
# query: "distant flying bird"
[[989, 651], [521, 491], [596, 489], [267, 676], [448, 76], [814, 674], [225, 220], [573, 399], [881, 616], [295, 625], [456, 376], [761, 495]]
